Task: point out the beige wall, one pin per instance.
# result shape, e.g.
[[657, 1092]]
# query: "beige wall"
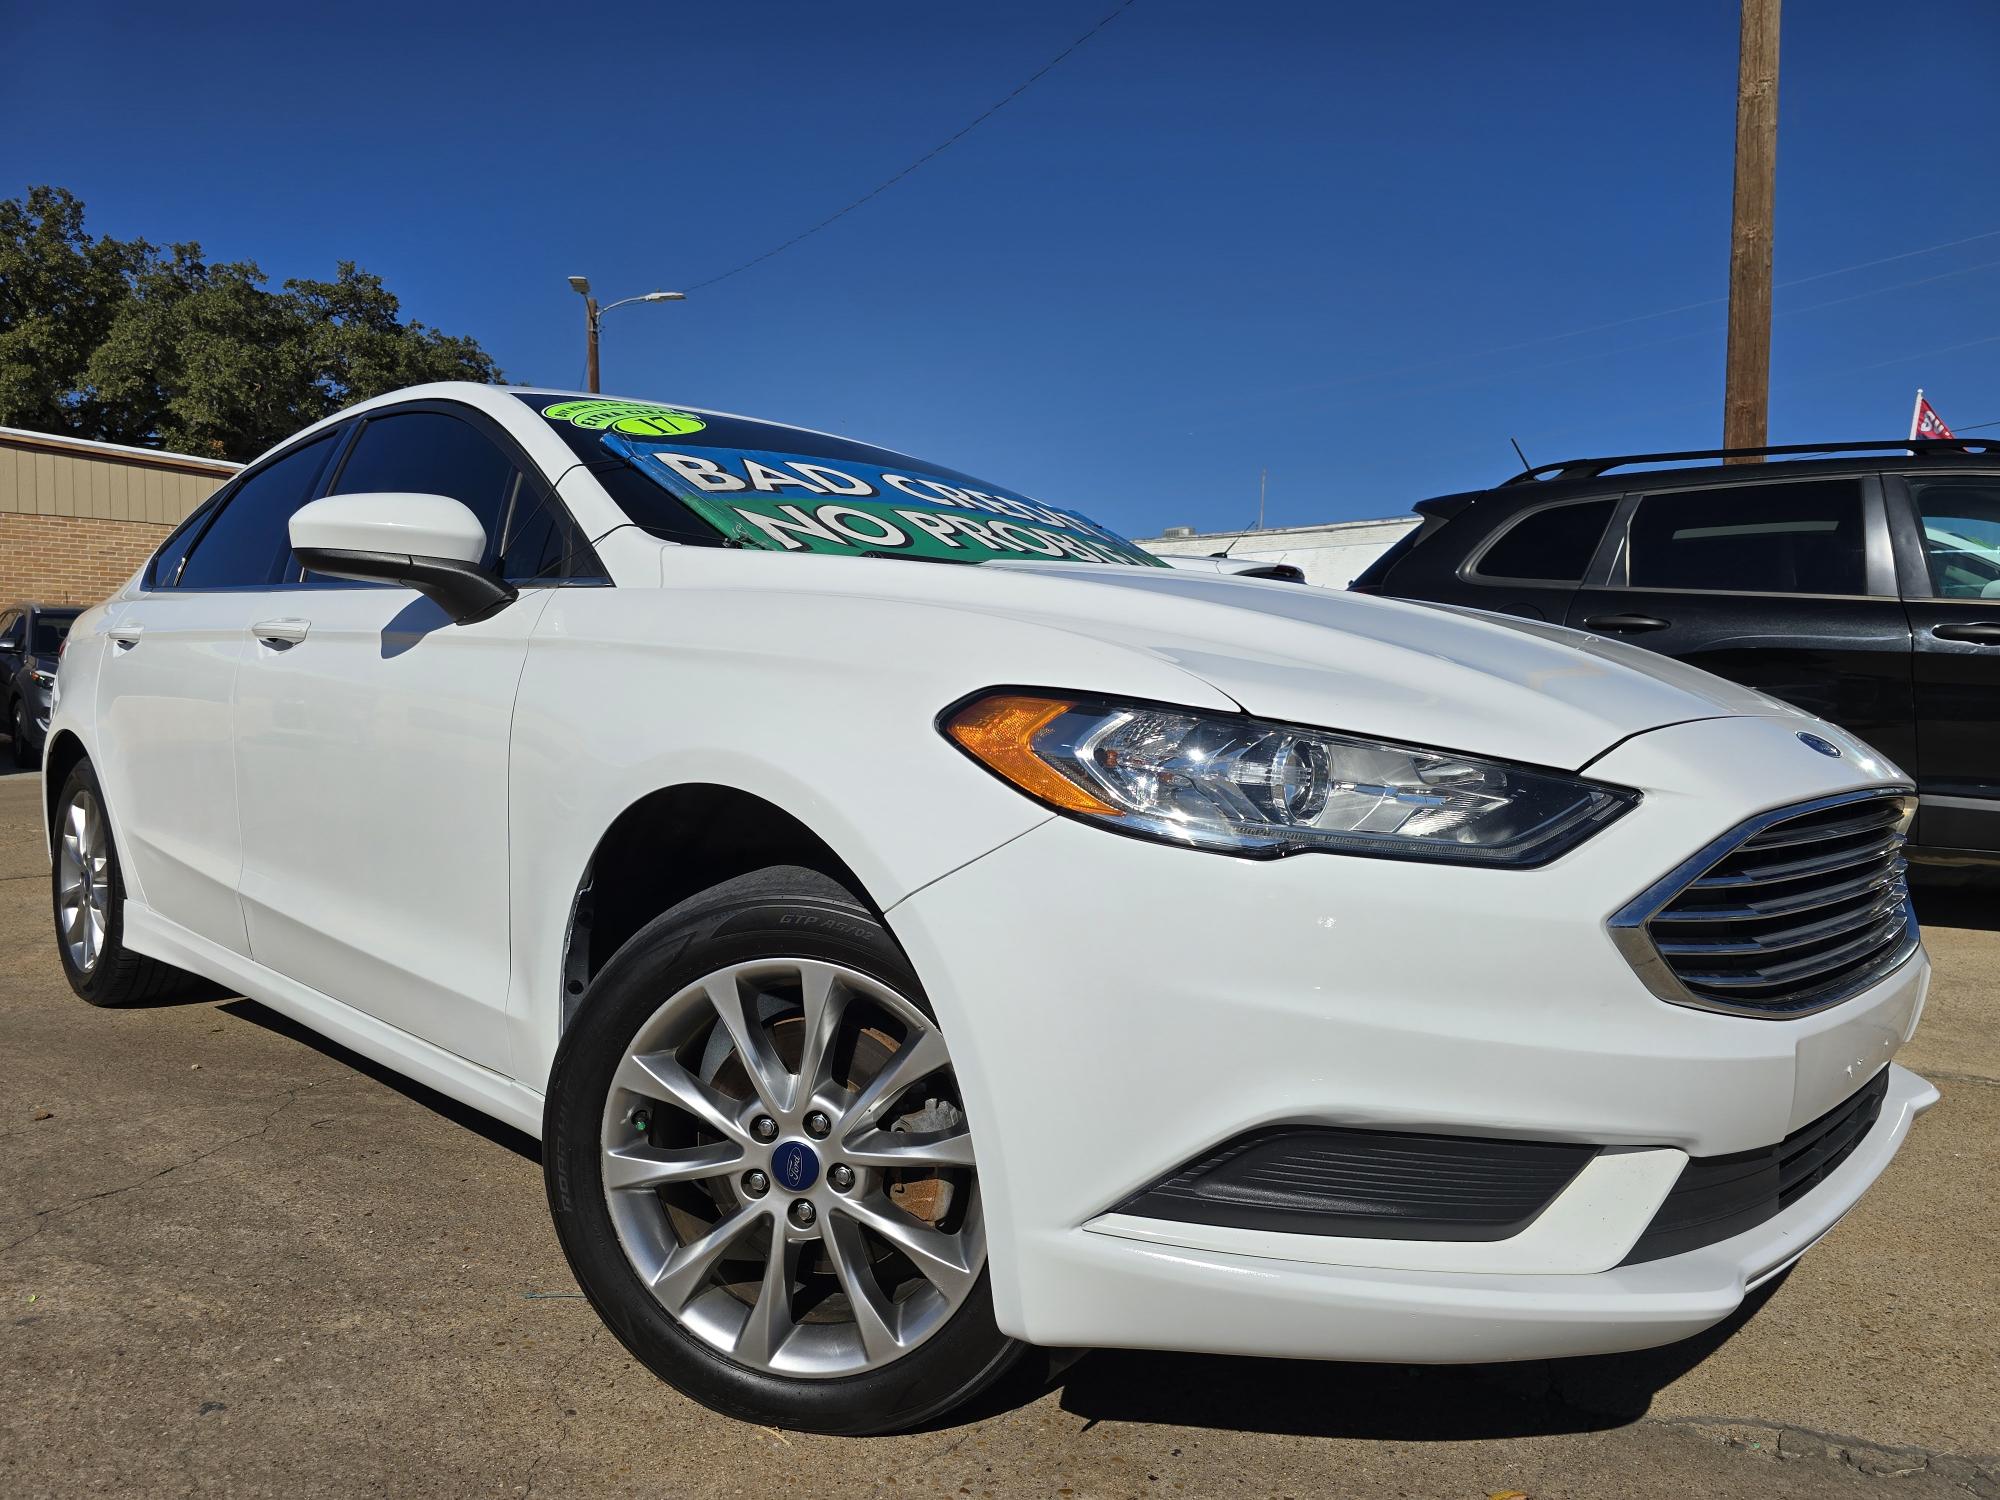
[[103, 484], [77, 518]]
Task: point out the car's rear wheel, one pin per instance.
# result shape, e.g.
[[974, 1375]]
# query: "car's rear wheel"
[[761, 1170], [87, 887]]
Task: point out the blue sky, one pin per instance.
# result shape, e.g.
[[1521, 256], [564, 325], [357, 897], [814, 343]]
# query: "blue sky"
[[1359, 246]]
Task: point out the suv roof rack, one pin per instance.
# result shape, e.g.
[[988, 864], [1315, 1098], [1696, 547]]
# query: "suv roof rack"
[[1590, 468]]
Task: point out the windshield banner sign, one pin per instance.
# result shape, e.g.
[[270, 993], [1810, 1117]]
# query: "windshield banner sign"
[[784, 502]]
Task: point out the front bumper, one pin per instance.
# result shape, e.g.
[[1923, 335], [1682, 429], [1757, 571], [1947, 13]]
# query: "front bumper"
[[1117, 1007]]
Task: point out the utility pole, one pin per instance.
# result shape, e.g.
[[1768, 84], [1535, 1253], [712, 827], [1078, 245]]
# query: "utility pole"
[[1746, 400], [590, 343]]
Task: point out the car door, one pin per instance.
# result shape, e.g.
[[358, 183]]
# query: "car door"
[[372, 744], [166, 694], [1784, 585], [1948, 546]]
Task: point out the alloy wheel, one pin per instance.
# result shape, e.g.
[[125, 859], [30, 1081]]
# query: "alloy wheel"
[[83, 880], [788, 1168]]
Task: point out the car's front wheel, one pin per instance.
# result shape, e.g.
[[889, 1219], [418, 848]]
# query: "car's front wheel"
[[761, 1170]]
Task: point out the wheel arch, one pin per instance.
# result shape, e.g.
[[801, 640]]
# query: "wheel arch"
[[59, 758], [668, 845]]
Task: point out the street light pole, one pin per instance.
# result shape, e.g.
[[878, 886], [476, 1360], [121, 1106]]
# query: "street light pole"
[[594, 315]]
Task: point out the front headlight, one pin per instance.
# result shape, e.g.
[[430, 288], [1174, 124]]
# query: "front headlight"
[[1247, 786]]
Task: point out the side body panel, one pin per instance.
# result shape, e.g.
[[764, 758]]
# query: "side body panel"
[[372, 759], [822, 705]]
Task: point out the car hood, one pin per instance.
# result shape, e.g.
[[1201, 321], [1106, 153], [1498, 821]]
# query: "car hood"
[[1452, 678]]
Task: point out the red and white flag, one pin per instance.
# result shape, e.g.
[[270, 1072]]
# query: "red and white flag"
[[1925, 422]]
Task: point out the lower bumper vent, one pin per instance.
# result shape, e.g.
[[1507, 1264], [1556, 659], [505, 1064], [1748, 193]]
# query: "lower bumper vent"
[[1719, 1196], [1366, 1183]]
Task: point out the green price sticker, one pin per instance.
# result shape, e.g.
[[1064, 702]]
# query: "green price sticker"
[[635, 418]]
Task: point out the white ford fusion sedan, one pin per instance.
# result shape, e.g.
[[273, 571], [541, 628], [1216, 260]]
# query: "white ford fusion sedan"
[[908, 966]]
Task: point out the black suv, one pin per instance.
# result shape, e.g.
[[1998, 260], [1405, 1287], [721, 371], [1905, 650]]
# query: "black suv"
[[1864, 590], [31, 637]]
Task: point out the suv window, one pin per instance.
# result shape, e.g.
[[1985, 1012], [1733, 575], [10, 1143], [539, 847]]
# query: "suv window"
[[10, 635], [1961, 521], [1552, 546], [429, 453], [245, 545], [1800, 538]]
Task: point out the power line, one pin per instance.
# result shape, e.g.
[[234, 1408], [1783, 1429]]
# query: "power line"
[[1514, 372], [1665, 312], [950, 140]]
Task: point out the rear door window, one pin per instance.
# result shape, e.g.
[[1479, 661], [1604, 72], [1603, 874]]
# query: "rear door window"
[[245, 546], [1960, 515], [1801, 538], [1549, 546]]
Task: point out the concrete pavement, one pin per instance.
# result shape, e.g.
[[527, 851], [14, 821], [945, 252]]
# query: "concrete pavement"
[[236, 1260]]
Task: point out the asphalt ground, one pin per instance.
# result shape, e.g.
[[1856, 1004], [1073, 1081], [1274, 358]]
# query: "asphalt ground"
[[238, 1260]]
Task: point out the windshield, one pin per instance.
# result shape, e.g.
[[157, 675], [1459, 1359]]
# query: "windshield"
[[783, 489], [49, 632]]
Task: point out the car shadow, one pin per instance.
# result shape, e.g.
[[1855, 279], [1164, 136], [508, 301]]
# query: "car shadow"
[[419, 618], [517, 1141], [1390, 1403]]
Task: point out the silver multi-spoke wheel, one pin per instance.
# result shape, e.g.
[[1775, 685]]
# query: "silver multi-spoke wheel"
[[788, 1168], [83, 880]]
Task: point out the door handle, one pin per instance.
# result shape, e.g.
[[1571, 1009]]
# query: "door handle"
[[125, 636], [1978, 632], [1626, 624], [281, 633]]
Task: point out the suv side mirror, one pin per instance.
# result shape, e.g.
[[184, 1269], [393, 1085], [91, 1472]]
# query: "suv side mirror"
[[430, 543]]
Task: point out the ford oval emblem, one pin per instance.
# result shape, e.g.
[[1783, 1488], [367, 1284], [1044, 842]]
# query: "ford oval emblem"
[[795, 1166], [1814, 742]]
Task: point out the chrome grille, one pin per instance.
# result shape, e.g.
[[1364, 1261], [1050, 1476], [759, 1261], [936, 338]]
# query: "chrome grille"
[[1792, 912]]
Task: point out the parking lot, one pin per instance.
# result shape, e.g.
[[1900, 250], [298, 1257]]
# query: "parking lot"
[[238, 1260]]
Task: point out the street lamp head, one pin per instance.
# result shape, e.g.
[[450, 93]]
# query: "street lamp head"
[[580, 285], [664, 297]]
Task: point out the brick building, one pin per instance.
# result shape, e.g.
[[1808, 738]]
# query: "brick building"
[[77, 517]]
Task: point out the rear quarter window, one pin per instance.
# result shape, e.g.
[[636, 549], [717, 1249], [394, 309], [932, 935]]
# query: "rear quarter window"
[[1553, 545]]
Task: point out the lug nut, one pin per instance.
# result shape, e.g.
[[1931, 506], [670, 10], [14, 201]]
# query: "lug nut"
[[841, 1176], [803, 1214], [764, 1128], [756, 1184], [818, 1125]]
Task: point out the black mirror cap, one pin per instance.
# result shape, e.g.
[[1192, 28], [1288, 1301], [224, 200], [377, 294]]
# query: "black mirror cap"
[[465, 591]]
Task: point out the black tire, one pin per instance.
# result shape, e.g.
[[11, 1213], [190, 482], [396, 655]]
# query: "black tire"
[[118, 976], [787, 912], [17, 728]]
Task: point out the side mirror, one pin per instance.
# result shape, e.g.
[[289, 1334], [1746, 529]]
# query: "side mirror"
[[430, 543]]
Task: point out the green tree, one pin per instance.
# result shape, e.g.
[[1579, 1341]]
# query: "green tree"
[[121, 341]]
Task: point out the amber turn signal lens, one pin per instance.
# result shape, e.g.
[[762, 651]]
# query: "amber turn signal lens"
[[999, 732]]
